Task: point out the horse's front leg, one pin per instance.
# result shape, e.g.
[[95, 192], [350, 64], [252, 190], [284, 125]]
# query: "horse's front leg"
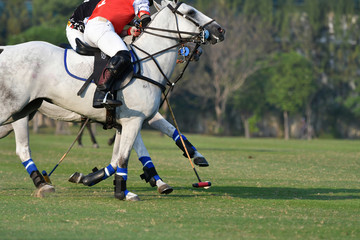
[[150, 174], [130, 130], [159, 122], [21, 130]]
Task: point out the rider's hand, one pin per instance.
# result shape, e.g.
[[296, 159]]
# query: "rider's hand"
[[134, 31], [144, 20]]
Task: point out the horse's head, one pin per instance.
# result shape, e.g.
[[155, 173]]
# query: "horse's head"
[[193, 23]]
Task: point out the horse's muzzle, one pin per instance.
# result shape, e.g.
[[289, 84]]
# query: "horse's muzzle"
[[217, 33]]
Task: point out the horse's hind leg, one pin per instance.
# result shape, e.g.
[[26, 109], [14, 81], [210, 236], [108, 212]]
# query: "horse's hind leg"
[[159, 122], [5, 130], [92, 136], [80, 135], [150, 174], [21, 130]]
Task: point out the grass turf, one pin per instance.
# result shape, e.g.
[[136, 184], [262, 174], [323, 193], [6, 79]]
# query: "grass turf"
[[262, 189]]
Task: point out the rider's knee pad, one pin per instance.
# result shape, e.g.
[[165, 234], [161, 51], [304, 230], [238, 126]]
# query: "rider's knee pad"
[[118, 63]]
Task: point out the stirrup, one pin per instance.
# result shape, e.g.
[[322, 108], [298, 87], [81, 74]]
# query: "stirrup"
[[110, 102], [101, 102]]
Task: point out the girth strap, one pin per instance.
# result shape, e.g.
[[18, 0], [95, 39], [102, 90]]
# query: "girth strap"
[[162, 87], [110, 120]]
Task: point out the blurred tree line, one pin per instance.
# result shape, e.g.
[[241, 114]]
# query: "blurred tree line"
[[288, 68]]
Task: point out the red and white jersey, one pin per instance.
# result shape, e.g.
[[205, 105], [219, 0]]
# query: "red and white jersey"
[[120, 12]]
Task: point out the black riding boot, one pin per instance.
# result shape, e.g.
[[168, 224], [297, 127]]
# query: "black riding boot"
[[112, 71]]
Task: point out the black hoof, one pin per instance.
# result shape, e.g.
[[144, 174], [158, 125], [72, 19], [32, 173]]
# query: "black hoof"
[[165, 189], [76, 178], [119, 195], [201, 162]]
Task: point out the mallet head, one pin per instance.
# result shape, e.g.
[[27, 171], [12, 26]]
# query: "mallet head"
[[205, 185], [46, 177]]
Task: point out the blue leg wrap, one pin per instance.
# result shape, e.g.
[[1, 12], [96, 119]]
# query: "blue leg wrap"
[[147, 162], [109, 170], [122, 172], [176, 137], [30, 166]]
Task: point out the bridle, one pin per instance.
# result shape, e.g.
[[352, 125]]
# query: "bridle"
[[196, 37]]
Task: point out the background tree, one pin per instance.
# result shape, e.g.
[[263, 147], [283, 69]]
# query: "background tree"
[[249, 100], [15, 18], [228, 65], [54, 12], [49, 19], [290, 85]]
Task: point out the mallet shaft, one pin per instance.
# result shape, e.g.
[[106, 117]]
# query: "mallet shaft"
[[77, 137], [182, 140]]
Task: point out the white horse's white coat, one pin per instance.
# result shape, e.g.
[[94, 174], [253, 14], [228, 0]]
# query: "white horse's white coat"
[[34, 70]]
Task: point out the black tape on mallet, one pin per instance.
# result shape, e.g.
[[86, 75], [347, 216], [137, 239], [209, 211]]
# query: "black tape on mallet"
[[200, 184], [46, 176]]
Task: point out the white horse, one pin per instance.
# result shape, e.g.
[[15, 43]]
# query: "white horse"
[[20, 128], [34, 71]]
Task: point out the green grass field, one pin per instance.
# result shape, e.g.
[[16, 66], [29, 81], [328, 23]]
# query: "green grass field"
[[262, 189]]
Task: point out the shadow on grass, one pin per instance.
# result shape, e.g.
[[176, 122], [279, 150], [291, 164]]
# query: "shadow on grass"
[[244, 192], [286, 193], [270, 193]]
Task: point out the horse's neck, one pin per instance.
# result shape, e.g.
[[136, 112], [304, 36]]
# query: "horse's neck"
[[154, 44]]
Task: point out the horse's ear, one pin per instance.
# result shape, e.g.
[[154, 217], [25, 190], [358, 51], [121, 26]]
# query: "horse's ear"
[[157, 6]]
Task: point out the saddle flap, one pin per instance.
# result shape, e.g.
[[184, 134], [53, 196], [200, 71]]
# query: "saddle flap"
[[84, 49]]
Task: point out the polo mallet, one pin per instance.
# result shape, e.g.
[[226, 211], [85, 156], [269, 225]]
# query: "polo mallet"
[[200, 184], [46, 176]]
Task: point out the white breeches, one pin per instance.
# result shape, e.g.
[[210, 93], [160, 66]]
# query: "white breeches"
[[101, 33], [72, 34]]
